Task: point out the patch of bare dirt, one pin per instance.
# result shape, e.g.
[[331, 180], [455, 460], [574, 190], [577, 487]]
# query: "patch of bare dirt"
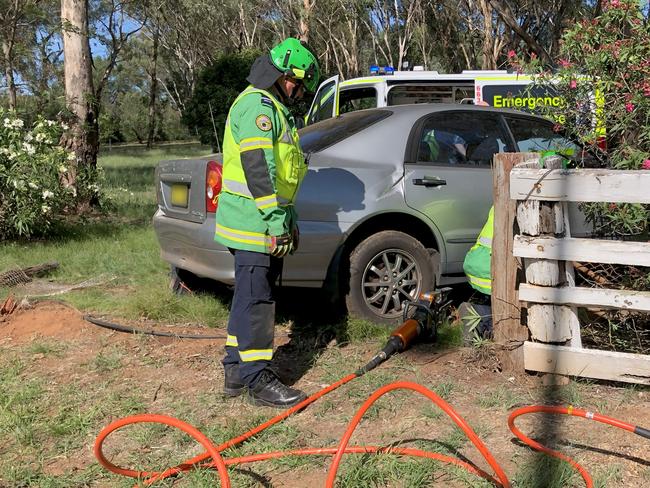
[[48, 319]]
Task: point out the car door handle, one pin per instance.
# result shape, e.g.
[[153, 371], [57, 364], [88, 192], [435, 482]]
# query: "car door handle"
[[428, 182]]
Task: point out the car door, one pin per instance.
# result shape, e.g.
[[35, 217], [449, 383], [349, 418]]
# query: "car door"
[[448, 175], [325, 104]]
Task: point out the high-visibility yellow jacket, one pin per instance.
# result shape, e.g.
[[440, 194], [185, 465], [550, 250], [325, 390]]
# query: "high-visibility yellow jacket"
[[263, 166], [477, 260]]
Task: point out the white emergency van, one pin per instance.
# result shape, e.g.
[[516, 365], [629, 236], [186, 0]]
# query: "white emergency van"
[[385, 87]]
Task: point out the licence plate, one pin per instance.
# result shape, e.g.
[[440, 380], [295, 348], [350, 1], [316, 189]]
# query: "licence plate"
[[179, 195]]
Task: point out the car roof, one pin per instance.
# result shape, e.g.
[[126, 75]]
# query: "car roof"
[[415, 111]]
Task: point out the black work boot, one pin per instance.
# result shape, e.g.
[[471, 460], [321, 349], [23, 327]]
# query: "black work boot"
[[232, 384], [269, 391]]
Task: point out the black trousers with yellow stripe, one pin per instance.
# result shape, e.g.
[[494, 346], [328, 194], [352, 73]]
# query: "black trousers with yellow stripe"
[[252, 313]]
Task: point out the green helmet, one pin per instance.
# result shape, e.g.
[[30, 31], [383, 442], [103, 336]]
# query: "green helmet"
[[293, 58]]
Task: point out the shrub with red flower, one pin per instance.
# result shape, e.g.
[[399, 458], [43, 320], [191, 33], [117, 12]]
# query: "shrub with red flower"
[[603, 75]]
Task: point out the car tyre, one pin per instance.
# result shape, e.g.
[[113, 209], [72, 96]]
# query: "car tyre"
[[177, 281], [386, 270]]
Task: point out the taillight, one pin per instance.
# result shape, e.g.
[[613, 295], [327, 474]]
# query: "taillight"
[[212, 185]]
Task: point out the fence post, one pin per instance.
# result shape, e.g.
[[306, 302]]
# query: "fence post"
[[506, 313], [548, 323]]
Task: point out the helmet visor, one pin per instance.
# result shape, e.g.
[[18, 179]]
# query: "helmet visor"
[[307, 76]]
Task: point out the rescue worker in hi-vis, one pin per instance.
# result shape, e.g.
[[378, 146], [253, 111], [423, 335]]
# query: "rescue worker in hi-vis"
[[476, 317], [263, 166]]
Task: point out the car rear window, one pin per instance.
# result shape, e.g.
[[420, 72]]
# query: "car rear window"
[[317, 137]]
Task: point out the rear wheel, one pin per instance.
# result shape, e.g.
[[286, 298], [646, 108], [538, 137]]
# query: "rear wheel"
[[387, 270], [178, 279]]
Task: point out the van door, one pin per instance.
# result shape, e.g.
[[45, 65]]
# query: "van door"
[[448, 177], [326, 101]]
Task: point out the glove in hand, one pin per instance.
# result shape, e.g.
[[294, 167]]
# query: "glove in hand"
[[281, 245]]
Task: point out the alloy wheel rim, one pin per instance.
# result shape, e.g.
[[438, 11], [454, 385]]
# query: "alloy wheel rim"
[[391, 277]]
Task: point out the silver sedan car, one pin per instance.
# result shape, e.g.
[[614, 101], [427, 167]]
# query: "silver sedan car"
[[393, 200]]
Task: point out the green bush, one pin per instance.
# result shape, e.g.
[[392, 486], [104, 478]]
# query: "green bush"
[[603, 75], [31, 169]]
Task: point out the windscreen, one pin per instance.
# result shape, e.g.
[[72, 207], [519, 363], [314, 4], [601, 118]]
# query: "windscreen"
[[317, 137]]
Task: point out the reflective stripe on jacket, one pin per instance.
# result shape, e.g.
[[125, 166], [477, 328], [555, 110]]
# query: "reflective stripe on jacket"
[[477, 260]]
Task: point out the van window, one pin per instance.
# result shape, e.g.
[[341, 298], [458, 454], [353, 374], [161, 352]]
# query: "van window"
[[357, 99], [419, 93]]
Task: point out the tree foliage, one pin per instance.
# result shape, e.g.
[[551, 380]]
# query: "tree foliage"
[[216, 89], [603, 74]]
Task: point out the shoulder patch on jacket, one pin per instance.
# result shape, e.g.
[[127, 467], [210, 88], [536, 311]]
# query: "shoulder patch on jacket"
[[263, 122], [266, 101]]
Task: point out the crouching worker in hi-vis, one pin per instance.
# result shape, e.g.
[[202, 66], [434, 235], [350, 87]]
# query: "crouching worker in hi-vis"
[[476, 317], [263, 166]]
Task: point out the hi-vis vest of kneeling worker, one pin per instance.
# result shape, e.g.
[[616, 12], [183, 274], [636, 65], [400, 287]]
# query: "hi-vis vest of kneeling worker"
[[263, 166], [477, 259]]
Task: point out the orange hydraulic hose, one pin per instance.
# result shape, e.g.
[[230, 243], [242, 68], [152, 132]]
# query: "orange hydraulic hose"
[[221, 465], [191, 463], [576, 412], [407, 385]]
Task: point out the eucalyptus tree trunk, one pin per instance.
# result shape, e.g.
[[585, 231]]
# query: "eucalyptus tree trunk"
[[153, 93], [7, 48], [83, 136]]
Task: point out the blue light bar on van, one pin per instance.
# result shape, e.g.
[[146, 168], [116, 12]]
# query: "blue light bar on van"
[[381, 70]]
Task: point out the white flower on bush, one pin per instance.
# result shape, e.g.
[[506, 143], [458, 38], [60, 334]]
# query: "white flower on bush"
[[29, 137], [50, 123], [32, 185], [40, 137], [28, 148], [45, 208], [94, 188], [62, 169], [47, 194], [72, 156], [13, 124]]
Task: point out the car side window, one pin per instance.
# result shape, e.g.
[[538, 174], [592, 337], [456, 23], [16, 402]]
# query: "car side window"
[[461, 138], [537, 136], [354, 99]]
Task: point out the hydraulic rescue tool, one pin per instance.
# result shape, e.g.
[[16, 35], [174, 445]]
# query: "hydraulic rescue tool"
[[420, 321]]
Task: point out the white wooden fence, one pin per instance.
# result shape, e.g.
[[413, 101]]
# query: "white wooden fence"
[[548, 250]]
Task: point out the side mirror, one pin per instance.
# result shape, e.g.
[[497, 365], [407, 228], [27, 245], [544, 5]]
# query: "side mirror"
[[300, 122]]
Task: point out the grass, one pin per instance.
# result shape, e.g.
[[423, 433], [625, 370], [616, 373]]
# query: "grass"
[[117, 250]]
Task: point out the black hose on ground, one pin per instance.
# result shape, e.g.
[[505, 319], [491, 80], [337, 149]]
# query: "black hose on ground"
[[133, 330]]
